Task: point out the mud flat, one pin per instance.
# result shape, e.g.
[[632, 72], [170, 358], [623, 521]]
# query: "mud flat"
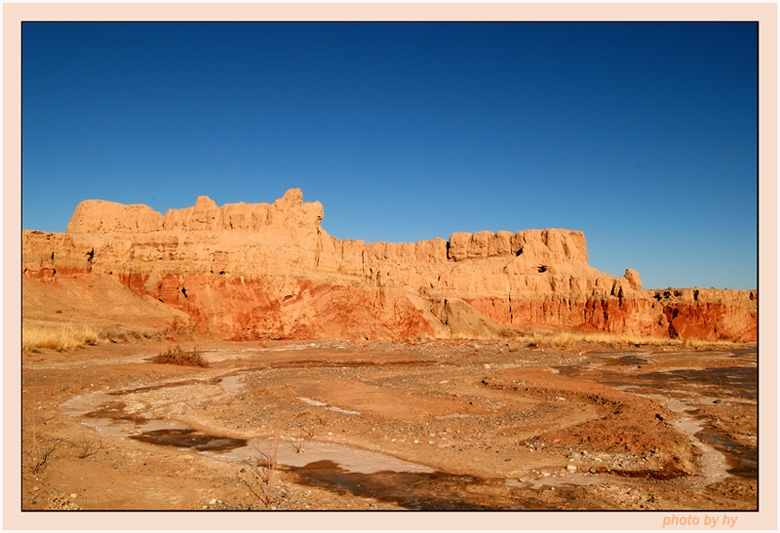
[[440, 425]]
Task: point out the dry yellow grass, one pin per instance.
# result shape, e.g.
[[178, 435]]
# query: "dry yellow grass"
[[119, 333], [58, 338], [563, 338]]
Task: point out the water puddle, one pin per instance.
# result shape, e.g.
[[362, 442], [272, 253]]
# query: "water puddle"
[[429, 491], [316, 403], [343, 411], [300, 454], [114, 410], [681, 389], [743, 461], [150, 388], [456, 415], [232, 383], [363, 473], [189, 438], [627, 360], [309, 401], [385, 478], [740, 381]]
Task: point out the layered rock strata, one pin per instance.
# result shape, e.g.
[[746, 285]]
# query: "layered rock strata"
[[256, 271]]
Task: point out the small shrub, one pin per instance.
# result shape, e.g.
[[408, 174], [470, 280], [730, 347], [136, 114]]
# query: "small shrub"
[[297, 443], [39, 454], [261, 470], [177, 356], [89, 448]]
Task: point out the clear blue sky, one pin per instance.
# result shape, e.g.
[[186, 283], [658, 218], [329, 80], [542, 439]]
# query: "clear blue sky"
[[641, 135]]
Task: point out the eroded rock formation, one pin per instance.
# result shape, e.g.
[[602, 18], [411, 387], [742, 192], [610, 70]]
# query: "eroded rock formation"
[[255, 271]]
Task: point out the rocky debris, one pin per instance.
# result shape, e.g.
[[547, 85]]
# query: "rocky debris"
[[265, 271]]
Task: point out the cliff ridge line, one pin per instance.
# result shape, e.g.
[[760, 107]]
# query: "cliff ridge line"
[[260, 270]]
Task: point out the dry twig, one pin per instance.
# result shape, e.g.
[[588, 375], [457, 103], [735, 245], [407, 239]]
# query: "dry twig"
[[263, 468], [89, 449]]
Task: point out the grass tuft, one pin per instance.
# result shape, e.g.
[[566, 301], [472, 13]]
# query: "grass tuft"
[[177, 356], [60, 338]]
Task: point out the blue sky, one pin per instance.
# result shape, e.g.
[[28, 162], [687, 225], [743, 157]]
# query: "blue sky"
[[641, 135]]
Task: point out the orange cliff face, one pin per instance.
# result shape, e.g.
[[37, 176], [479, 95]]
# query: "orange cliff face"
[[257, 271]]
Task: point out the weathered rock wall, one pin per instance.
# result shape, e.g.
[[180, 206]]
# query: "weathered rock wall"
[[260, 271]]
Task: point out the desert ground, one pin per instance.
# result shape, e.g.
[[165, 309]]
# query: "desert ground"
[[506, 424]]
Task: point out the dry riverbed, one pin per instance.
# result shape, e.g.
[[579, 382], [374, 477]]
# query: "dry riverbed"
[[444, 425]]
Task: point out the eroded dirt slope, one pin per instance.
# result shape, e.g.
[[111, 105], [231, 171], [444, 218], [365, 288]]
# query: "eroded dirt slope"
[[270, 271]]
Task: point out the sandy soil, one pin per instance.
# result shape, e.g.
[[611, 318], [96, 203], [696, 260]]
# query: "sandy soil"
[[439, 425]]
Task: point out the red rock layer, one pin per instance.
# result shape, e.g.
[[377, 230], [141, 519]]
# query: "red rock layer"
[[255, 271]]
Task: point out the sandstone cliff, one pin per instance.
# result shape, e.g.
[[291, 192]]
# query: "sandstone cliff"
[[255, 271]]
